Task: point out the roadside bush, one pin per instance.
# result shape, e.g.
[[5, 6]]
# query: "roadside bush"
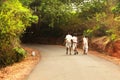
[[20, 53], [111, 34], [14, 19]]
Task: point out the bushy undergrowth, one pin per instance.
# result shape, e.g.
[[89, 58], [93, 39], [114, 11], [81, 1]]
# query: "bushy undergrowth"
[[20, 53], [14, 19]]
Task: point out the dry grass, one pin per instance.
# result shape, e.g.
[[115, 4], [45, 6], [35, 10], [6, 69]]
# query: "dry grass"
[[19, 71]]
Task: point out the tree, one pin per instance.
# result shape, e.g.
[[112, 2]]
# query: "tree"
[[14, 19], [77, 15], [26, 2]]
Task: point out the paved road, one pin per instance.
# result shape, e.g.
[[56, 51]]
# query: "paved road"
[[55, 65]]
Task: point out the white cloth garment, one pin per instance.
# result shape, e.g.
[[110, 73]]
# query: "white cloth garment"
[[85, 44], [68, 39], [74, 39]]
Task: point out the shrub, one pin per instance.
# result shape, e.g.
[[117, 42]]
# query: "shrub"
[[111, 34], [20, 53], [14, 19]]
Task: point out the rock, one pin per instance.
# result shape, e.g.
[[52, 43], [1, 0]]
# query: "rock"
[[100, 43], [103, 44], [33, 53]]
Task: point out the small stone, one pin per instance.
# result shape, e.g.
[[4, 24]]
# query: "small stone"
[[33, 53]]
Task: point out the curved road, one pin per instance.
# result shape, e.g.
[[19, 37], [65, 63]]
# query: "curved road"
[[55, 65]]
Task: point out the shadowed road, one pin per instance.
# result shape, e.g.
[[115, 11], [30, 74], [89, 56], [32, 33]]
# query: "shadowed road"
[[56, 65]]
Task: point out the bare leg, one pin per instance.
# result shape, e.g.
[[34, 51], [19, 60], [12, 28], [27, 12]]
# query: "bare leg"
[[66, 50], [75, 51], [84, 51], [70, 50]]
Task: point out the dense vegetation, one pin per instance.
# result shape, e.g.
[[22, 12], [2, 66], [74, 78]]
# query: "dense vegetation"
[[14, 18], [93, 18], [85, 17]]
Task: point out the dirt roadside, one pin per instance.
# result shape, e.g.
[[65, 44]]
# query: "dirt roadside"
[[19, 71], [112, 59]]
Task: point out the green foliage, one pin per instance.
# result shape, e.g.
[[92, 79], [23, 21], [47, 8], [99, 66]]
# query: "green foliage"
[[71, 1], [100, 30], [90, 17], [96, 31], [99, 14], [14, 19], [26, 2], [88, 32], [20, 53], [111, 34], [11, 56], [53, 12], [116, 9], [89, 9], [113, 37]]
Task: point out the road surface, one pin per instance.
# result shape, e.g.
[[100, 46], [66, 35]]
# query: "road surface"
[[56, 65]]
